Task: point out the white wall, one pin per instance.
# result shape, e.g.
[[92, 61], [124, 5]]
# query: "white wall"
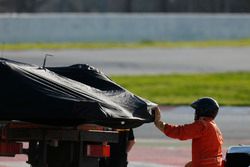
[[122, 27]]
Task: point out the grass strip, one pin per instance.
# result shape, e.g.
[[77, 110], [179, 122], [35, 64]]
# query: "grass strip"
[[230, 89], [142, 44]]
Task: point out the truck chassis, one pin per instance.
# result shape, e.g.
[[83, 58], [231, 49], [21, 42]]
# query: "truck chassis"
[[56, 146]]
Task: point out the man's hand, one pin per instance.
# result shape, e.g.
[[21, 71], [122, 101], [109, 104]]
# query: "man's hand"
[[157, 114], [158, 123]]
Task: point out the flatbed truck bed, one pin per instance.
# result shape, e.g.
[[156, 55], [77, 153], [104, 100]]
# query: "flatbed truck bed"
[[57, 146]]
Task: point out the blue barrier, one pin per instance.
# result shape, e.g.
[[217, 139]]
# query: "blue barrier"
[[122, 27]]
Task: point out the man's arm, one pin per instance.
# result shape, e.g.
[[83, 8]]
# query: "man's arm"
[[181, 132], [131, 143], [158, 123], [131, 140]]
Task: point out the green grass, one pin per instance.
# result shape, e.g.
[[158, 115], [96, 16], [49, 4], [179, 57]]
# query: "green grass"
[[182, 89], [173, 89], [142, 44]]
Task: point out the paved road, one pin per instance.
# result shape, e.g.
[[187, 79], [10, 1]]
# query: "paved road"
[[153, 149], [132, 164], [233, 121], [138, 61]]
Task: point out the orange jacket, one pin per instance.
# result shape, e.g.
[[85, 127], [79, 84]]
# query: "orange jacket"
[[206, 138]]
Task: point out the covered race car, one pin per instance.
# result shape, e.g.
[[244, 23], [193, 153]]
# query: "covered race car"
[[68, 96]]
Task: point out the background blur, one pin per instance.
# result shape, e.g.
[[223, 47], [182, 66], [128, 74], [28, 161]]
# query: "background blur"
[[204, 6], [61, 21]]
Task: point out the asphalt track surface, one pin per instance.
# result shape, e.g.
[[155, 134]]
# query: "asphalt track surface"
[[153, 149], [143, 61]]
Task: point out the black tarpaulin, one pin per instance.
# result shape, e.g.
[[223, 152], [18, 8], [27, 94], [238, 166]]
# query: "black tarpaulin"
[[68, 96]]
